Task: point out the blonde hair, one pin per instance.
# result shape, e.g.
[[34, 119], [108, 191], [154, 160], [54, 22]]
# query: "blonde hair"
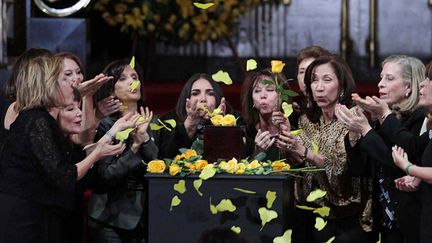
[[37, 85], [413, 73]]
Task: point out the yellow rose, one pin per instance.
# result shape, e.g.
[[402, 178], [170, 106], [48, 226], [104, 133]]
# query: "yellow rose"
[[232, 165], [223, 165], [201, 164], [253, 165], [277, 66], [228, 121], [279, 165], [179, 157], [190, 153], [216, 120], [190, 166], [240, 169], [156, 166], [174, 169]]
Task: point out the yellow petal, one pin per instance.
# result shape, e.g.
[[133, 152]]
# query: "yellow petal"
[[251, 64], [175, 201], [314, 195], [287, 109], [315, 148], [271, 196], [320, 223], [223, 77], [226, 205], [142, 120], [297, 132], [135, 84], [323, 211], [305, 207], [213, 209], [155, 127], [266, 216], [203, 5], [197, 184], [215, 111], [207, 172], [285, 238], [236, 229], [245, 191], [330, 240], [180, 186], [379, 238], [171, 122], [132, 62], [123, 107], [123, 135]]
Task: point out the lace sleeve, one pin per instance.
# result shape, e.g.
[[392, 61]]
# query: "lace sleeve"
[[47, 144]]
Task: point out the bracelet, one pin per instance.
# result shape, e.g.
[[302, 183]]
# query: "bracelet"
[[110, 135], [306, 150], [383, 117], [407, 169]]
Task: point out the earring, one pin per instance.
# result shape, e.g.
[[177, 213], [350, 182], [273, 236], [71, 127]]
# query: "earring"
[[341, 95], [407, 94]]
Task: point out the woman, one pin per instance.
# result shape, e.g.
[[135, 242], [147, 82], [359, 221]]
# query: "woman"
[[37, 180], [116, 207], [328, 82], [260, 108], [396, 213], [199, 95]]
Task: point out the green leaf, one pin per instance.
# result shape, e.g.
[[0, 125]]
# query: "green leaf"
[[183, 150], [260, 156], [316, 194], [198, 146], [123, 135], [266, 81], [180, 186], [197, 184], [285, 238], [271, 196], [266, 216], [289, 92], [244, 191]]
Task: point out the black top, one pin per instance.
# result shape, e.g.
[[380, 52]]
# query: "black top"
[[426, 219], [4, 105], [34, 164]]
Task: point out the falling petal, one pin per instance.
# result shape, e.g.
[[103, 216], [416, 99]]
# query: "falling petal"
[[305, 207], [135, 84], [297, 132], [123, 135], [271, 196], [207, 172], [123, 107], [197, 184], [285, 238], [142, 120], [213, 209], [245, 191], [175, 201], [180, 186], [320, 223], [251, 64], [223, 77], [236, 229], [226, 205], [287, 109], [155, 127], [330, 240], [323, 211], [314, 195], [171, 122], [132, 62], [315, 148], [266, 216], [203, 5]]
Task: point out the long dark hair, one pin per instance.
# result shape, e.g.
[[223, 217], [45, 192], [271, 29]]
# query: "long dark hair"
[[186, 93], [115, 69], [344, 76]]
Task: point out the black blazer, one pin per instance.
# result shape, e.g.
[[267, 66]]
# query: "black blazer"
[[373, 152], [119, 197]]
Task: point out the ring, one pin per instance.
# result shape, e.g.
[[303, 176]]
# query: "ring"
[[273, 120]]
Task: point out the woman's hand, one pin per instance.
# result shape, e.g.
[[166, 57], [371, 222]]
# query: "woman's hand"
[[279, 120], [129, 120], [354, 119], [264, 140], [107, 106], [373, 105], [90, 87], [400, 158], [407, 183], [140, 135]]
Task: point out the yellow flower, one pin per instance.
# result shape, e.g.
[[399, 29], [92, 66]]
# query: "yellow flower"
[[277, 66], [231, 166], [240, 169], [190, 166], [228, 121], [190, 153], [156, 166], [216, 120], [280, 165], [174, 169], [223, 165], [179, 157], [253, 165], [201, 164]]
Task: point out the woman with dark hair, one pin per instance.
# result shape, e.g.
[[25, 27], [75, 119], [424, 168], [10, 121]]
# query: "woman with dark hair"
[[116, 207], [396, 213], [199, 93], [328, 82], [260, 108]]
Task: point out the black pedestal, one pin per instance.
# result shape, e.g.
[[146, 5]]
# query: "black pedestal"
[[188, 220]]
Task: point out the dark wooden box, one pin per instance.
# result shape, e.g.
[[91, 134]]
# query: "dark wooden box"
[[223, 143]]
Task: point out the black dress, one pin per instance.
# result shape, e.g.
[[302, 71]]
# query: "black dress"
[[36, 182], [4, 105], [426, 188]]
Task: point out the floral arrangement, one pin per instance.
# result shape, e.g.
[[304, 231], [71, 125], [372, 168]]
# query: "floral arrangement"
[[190, 162], [172, 20]]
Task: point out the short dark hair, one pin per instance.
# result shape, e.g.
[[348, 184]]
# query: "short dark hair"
[[186, 93], [311, 52], [344, 76]]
